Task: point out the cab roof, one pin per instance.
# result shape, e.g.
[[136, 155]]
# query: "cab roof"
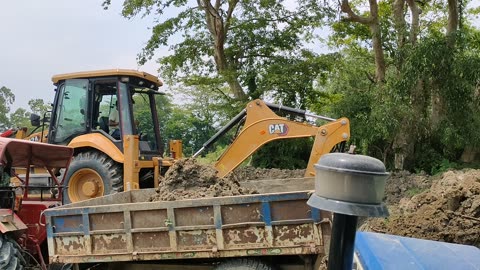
[[106, 73]]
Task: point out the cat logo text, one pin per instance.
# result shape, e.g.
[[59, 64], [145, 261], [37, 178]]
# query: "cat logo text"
[[280, 129]]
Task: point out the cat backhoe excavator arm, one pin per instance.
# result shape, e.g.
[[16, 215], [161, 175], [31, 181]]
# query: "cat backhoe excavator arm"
[[263, 125]]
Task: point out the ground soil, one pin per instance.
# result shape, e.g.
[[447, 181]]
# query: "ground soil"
[[188, 179], [251, 173], [443, 208]]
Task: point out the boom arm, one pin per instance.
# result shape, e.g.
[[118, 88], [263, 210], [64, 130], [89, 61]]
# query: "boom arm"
[[262, 125]]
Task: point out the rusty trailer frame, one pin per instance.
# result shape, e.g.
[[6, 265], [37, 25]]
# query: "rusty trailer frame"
[[123, 227]]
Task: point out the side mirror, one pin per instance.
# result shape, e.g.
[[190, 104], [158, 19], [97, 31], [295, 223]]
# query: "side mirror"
[[46, 117], [35, 120]]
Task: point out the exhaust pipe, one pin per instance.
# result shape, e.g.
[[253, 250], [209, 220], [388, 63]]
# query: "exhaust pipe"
[[349, 186]]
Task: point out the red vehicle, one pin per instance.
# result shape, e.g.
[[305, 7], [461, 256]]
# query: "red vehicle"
[[23, 199]]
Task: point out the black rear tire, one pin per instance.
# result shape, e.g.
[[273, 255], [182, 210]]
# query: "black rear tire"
[[97, 164], [58, 266], [11, 257], [243, 264]]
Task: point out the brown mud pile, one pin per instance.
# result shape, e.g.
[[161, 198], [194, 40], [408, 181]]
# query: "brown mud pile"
[[404, 185], [448, 210], [252, 173], [188, 179]]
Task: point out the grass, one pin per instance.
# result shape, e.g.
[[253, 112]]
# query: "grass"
[[414, 191]]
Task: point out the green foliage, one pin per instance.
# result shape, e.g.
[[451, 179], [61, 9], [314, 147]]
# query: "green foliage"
[[284, 154], [413, 191], [6, 99], [428, 156], [429, 70], [38, 106], [212, 156], [290, 80], [182, 124], [264, 49], [453, 76], [20, 118], [350, 93], [444, 166], [201, 113], [257, 35]]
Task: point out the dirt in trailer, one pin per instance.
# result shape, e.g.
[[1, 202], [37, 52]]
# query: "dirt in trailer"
[[189, 179]]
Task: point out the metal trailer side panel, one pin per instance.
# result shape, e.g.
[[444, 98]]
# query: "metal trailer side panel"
[[376, 251], [249, 225]]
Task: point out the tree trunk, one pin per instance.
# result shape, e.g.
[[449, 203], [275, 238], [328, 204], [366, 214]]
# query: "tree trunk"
[[470, 154], [218, 28], [406, 137], [415, 29], [410, 129], [400, 24], [453, 20], [377, 42], [438, 108], [372, 22], [438, 102]]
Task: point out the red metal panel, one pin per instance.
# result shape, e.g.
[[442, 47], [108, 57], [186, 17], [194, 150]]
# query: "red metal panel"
[[30, 214]]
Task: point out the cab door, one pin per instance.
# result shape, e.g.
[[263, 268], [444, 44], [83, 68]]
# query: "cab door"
[[69, 117]]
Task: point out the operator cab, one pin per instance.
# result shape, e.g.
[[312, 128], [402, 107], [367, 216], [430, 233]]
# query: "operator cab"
[[113, 103]]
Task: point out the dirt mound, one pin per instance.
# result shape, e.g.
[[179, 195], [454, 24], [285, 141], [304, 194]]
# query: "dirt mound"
[[448, 211], [405, 184], [188, 179], [252, 173]]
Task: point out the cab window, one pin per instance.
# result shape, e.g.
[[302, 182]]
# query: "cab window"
[[70, 118], [143, 121]]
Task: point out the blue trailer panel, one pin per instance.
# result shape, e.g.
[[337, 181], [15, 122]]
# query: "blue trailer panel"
[[376, 251], [126, 227]]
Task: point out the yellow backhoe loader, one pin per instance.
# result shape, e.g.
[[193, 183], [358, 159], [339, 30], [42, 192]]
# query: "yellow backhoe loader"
[[97, 113]]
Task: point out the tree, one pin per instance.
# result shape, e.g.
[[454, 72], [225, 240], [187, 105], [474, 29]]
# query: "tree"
[[423, 111], [203, 111], [6, 99], [20, 118], [231, 41], [38, 106], [372, 20]]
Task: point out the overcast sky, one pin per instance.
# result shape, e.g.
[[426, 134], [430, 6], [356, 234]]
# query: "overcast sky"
[[41, 38]]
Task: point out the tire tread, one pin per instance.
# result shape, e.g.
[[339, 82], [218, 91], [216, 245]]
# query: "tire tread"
[[11, 257], [113, 170], [246, 264]]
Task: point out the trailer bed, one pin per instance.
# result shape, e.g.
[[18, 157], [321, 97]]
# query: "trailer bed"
[[124, 227]]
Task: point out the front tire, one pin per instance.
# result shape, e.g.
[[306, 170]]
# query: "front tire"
[[92, 174], [11, 257]]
